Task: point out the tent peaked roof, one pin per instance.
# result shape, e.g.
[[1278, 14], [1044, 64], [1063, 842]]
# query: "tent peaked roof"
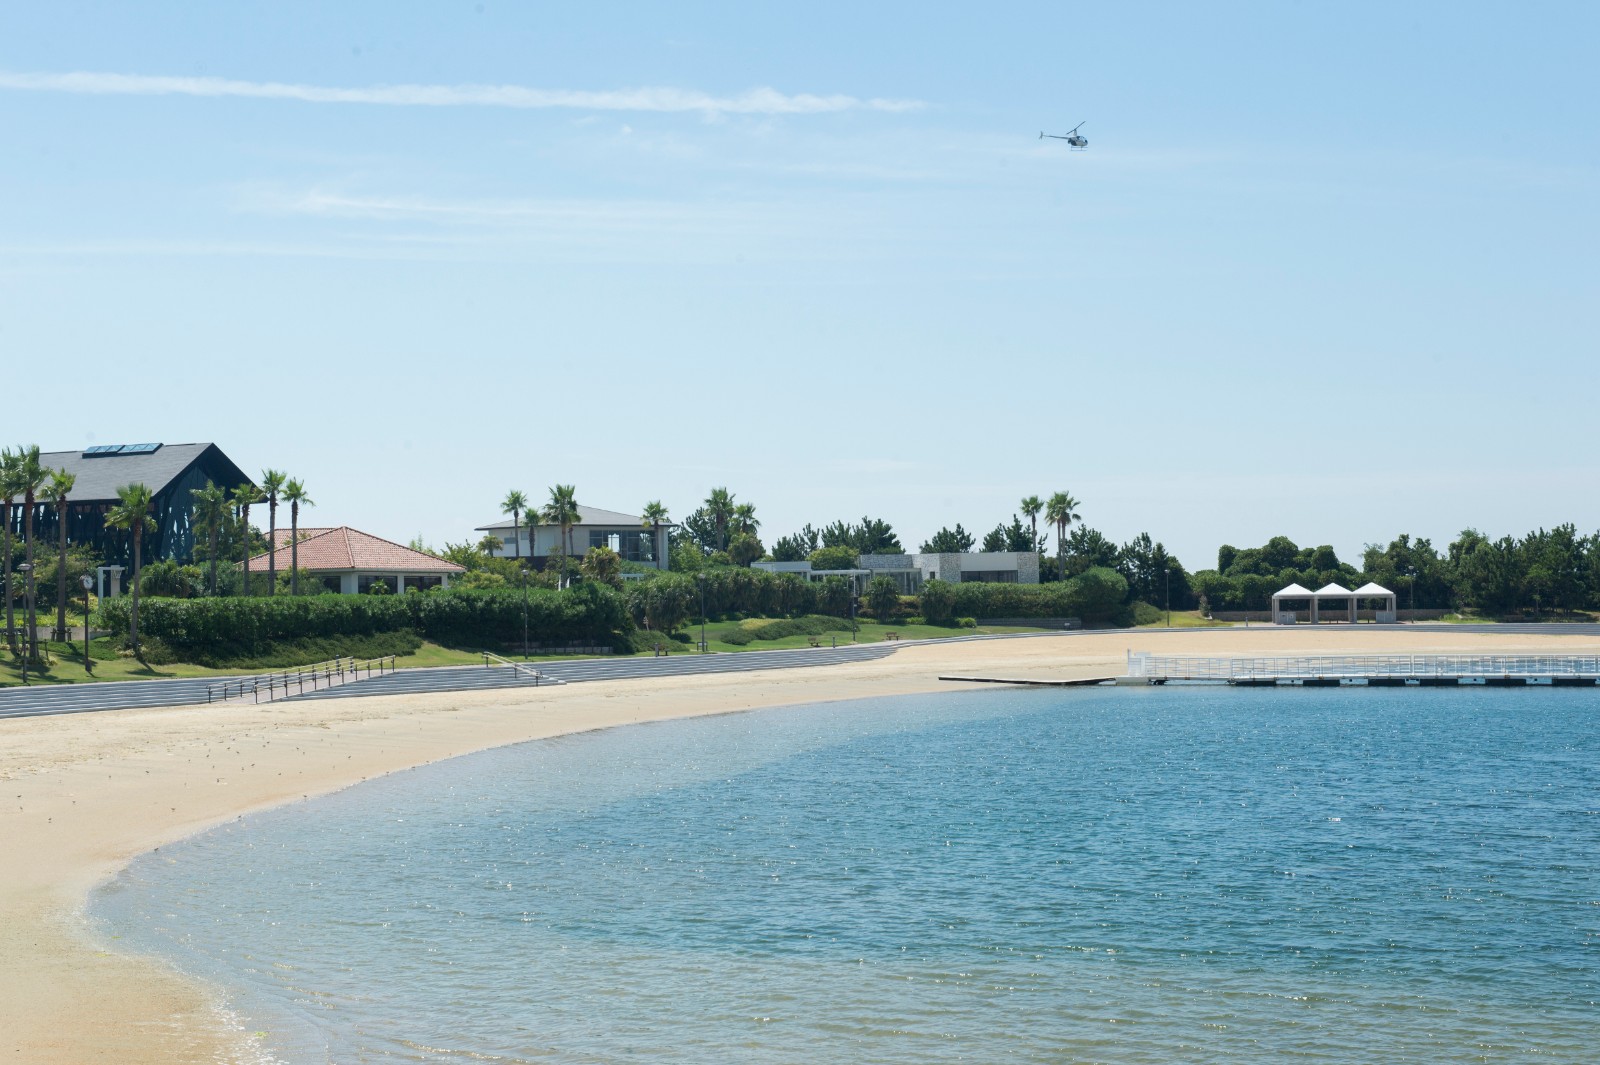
[[1332, 588], [1294, 591], [1369, 589]]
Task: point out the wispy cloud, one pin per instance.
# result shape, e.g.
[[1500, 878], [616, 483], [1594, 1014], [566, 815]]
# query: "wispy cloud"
[[759, 101]]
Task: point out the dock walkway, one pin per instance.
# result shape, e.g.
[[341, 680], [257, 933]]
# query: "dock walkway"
[[1383, 670]]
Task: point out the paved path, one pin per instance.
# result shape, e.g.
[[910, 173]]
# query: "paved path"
[[43, 700]]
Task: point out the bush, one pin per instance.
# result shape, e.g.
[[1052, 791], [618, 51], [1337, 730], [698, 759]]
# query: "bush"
[[1145, 614], [834, 558], [1096, 595], [937, 601], [587, 614], [883, 598]]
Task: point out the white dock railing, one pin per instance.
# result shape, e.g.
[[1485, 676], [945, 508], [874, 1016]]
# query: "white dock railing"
[[1296, 667]]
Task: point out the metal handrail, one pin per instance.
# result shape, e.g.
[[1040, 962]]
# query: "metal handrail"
[[522, 668], [278, 684], [1201, 667]]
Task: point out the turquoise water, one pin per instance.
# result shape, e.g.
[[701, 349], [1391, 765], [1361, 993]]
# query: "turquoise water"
[[1117, 875]]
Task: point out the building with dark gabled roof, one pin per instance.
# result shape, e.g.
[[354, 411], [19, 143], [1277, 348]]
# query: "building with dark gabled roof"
[[626, 534], [171, 471]]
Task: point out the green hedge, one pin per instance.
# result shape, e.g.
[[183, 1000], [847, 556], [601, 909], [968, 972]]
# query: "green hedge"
[[586, 614], [1098, 596]]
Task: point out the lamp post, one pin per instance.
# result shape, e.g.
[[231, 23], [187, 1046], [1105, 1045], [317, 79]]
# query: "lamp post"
[[524, 571], [88, 663], [852, 608], [1166, 576], [700, 579], [26, 569]]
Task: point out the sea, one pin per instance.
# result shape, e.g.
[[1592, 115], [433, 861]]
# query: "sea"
[[1120, 875]]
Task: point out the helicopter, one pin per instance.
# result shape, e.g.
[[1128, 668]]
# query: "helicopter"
[[1075, 140]]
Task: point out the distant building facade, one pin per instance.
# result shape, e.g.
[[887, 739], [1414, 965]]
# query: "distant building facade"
[[171, 471], [626, 534], [910, 571], [350, 562]]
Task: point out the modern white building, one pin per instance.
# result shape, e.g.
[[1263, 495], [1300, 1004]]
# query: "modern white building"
[[910, 571], [626, 534]]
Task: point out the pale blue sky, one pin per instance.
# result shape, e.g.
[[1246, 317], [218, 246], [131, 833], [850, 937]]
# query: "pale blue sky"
[[1324, 271]]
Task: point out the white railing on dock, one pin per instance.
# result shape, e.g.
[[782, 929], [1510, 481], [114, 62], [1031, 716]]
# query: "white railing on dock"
[[1299, 667]]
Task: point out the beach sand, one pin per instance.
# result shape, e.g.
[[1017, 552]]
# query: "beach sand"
[[85, 793]]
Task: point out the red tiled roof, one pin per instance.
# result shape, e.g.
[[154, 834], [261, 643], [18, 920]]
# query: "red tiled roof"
[[306, 532], [344, 548]]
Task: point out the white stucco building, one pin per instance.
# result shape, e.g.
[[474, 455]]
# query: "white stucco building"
[[626, 534], [909, 571]]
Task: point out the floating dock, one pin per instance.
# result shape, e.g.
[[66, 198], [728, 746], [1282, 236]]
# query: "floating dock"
[[1036, 682], [1373, 671]]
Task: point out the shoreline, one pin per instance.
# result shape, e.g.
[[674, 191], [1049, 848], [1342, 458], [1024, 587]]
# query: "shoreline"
[[89, 792]]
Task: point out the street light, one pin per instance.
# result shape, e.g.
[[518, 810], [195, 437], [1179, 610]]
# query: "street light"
[[88, 663], [1166, 575], [524, 613], [700, 579], [852, 608], [26, 569]]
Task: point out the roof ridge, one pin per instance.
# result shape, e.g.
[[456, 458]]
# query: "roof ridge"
[[391, 543]]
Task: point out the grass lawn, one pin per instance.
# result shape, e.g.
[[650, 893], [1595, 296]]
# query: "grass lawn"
[[868, 632], [108, 665], [1188, 619]]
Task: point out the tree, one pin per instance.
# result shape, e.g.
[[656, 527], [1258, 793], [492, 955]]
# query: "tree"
[[872, 537], [995, 539], [719, 507], [31, 475], [798, 546], [1087, 549], [210, 512], [243, 496], [883, 596], [514, 504], [272, 487], [745, 548], [56, 492], [604, 565], [832, 558], [1031, 508], [294, 493], [949, 542], [700, 530], [744, 520], [562, 511], [132, 514], [9, 490], [1061, 511], [654, 516], [937, 601]]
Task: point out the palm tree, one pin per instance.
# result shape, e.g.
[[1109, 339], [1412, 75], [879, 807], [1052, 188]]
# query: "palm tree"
[[1031, 506], [210, 511], [720, 506], [295, 494], [1062, 511], [562, 510], [744, 519], [514, 504], [132, 513], [8, 496], [56, 492], [243, 496], [655, 516], [31, 475], [272, 487]]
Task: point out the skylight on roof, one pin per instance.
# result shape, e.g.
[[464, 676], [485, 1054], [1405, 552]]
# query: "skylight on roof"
[[100, 451]]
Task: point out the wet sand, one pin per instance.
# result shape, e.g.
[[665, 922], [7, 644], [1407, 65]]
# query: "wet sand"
[[83, 794]]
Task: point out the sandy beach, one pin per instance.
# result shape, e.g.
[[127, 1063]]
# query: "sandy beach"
[[86, 793]]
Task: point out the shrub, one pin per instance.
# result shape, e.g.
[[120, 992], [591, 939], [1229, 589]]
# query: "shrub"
[[1145, 614], [937, 601], [834, 558], [883, 598]]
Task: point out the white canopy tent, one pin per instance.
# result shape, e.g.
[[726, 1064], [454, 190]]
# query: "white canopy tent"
[[1386, 609], [1294, 591], [1383, 612]]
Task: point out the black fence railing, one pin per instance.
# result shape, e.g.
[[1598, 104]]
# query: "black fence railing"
[[269, 686]]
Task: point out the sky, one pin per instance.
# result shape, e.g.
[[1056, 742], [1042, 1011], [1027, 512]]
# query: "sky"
[[1324, 271]]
